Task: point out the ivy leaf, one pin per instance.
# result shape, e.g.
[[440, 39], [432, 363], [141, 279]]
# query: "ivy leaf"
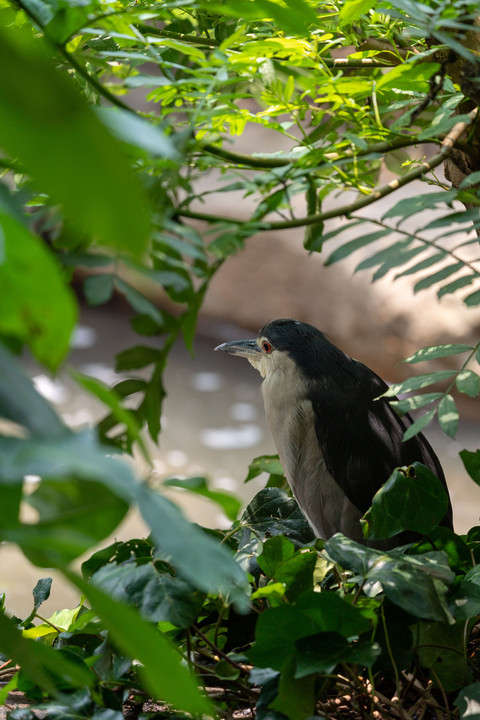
[[414, 500]]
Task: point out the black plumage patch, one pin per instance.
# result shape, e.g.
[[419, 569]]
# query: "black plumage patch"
[[360, 437]]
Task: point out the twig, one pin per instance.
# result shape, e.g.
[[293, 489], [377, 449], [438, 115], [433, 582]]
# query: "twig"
[[447, 145]]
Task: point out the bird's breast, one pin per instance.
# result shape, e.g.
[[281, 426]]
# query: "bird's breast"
[[291, 419]]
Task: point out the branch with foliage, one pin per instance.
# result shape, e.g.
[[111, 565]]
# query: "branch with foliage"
[[113, 117]]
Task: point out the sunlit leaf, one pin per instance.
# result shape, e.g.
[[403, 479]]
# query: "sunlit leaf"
[[468, 382], [433, 352]]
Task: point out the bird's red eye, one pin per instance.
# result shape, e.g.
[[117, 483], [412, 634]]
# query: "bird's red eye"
[[266, 347]]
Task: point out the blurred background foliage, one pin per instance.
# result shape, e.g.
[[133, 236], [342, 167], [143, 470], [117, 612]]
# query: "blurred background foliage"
[[112, 116]]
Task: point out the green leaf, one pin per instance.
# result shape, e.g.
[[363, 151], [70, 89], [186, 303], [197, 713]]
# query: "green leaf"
[[468, 702], [279, 629], [112, 400], [137, 357], [63, 145], [271, 512], [157, 596], [413, 403], [414, 499], [418, 382], [324, 651], [352, 245], [408, 76], [21, 403], [419, 424], [411, 205], [73, 516], [433, 352], [160, 664], [197, 557], [264, 464], [282, 563], [41, 591], [468, 382], [36, 305], [441, 125], [471, 462], [98, 289], [296, 696], [352, 10], [136, 131], [441, 649], [139, 302], [430, 280], [448, 415], [417, 584], [457, 284], [198, 485], [473, 299], [292, 16], [422, 265], [44, 666]]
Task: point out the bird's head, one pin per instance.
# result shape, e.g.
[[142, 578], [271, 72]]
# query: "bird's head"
[[279, 343]]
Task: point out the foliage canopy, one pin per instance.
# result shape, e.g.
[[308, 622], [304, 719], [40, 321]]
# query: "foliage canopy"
[[112, 116]]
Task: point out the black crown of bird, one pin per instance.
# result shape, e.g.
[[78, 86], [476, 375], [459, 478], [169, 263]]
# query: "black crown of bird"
[[337, 439]]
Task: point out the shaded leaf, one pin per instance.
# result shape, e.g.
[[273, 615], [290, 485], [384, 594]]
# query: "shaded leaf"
[[419, 424], [417, 584], [324, 651], [468, 702], [414, 499], [161, 665], [159, 597], [272, 512], [471, 462]]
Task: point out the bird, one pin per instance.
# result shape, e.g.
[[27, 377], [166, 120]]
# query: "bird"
[[337, 439]]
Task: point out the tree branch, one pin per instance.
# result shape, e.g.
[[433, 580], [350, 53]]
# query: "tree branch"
[[447, 146]]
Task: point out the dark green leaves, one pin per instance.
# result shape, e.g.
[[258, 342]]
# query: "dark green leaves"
[[279, 629], [411, 499], [164, 674], [417, 584], [272, 512]]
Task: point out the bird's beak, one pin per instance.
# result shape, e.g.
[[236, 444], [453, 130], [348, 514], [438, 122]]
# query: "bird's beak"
[[244, 348]]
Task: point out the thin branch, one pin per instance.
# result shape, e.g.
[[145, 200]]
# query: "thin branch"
[[447, 146], [257, 161]]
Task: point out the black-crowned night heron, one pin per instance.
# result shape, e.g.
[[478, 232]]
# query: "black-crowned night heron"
[[337, 443]]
